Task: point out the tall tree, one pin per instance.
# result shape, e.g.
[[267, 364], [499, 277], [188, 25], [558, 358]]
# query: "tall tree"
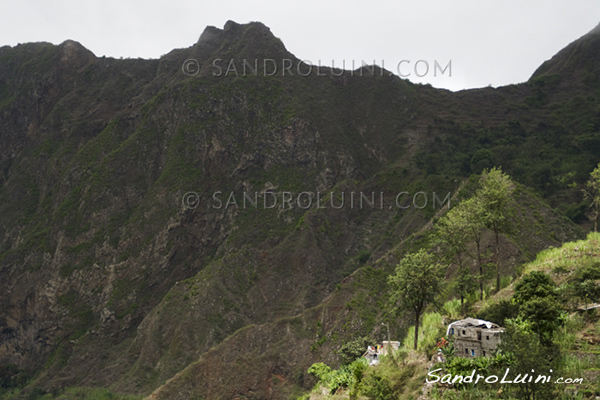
[[494, 197], [592, 193], [416, 283], [474, 213], [465, 283], [453, 232]]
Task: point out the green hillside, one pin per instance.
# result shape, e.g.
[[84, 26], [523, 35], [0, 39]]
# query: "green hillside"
[[120, 275], [573, 353]]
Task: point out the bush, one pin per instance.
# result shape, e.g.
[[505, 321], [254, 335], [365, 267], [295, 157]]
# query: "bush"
[[354, 349], [499, 312], [376, 387], [348, 376], [363, 256], [534, 284]]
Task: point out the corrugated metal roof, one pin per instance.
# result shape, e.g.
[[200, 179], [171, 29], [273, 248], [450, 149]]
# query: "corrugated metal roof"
[[472, 322]]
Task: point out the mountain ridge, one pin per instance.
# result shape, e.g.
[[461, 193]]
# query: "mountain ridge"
[[99, 251]]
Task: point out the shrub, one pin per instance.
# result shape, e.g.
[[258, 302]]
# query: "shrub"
[[354, 349], [534, 284], [499, 312], [376, 387]]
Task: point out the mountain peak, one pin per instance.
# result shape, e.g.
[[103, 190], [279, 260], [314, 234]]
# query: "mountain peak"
[[232, 29], [577, 62], [250, 40], [75, 54]]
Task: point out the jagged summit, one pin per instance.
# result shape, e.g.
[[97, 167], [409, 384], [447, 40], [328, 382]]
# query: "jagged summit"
[[239, 41], [209, 35], [232, 28]]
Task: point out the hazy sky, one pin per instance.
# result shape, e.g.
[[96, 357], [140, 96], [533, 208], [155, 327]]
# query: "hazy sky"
[[495, 42]]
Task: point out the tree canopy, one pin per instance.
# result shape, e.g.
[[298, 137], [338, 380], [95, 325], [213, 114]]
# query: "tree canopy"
[[416, 283], [494, 198]]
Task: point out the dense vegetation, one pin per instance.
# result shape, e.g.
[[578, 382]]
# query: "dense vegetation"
[[545, 334], [111, 280]]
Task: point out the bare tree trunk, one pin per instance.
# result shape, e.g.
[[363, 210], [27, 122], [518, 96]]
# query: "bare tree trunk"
[[497, 263], [460, 269], [478, 242], [416, 329]]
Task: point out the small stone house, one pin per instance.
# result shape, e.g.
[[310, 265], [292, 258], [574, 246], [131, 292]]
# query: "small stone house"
[[373, 352], [474, 337]]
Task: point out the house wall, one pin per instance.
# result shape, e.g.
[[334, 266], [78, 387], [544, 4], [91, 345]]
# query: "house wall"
[[394, 345], [474, 342]]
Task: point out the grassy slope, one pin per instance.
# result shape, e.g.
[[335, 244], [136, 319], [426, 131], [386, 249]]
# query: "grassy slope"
[[578, 337]]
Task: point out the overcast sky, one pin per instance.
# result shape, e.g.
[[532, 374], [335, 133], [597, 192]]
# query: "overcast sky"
[[495, 42]]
